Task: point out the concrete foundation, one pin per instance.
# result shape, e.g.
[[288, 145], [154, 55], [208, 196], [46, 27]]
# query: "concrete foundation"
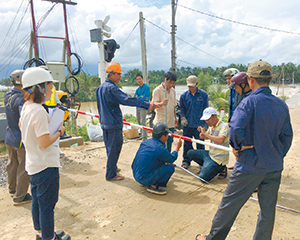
[[68, 142]]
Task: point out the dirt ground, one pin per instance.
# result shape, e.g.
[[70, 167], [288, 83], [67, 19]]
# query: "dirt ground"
[[91, 208]]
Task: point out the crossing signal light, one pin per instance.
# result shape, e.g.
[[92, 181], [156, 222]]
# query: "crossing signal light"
[[110, 47]]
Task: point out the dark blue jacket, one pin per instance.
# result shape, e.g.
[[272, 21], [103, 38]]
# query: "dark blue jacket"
[[151, 155], [261, 120], [109, 98], [192, 106], [13, 100]]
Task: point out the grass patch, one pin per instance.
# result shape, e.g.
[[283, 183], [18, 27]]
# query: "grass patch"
[[3, 149]]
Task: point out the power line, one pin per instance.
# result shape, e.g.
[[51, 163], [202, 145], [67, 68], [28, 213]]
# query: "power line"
[[232, 21], [130, 33], [188, 63], [188, 43]]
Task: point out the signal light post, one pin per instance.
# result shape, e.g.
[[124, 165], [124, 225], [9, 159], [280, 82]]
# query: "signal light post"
[[106, 47]]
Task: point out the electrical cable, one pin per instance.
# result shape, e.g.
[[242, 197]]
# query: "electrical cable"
[[241, 23], [188, 43]]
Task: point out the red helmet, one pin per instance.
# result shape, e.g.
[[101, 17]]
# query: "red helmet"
[[239, 78]]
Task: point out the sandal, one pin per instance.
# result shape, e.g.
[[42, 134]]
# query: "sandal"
[[185, 165], [223, 173], [117, 178], [200, 235]]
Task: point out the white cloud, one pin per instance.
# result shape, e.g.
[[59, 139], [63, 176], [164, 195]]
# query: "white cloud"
[[231, 42]]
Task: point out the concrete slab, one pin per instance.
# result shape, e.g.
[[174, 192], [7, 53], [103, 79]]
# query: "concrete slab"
[[293, 101], [68, 142]]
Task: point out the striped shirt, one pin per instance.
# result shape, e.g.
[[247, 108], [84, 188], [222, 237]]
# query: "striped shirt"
[[218, 155]]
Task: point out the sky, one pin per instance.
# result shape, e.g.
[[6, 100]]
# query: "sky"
[[208, 32]]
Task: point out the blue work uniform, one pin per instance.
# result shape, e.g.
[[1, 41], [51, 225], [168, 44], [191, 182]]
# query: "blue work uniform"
[[14, 100], [261, 120], [191, 107], [149, 165], [109, 98]]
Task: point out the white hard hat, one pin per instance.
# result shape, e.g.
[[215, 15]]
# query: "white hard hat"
[[34, 76]]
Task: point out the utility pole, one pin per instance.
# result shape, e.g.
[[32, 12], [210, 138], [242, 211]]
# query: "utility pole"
[[282, 69], [143, 48], [173, 32]]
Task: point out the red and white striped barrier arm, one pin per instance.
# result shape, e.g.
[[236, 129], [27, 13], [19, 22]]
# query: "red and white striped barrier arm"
[[150, 129]]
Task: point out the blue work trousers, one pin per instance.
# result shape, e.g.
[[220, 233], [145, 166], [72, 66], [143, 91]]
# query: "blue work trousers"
[[239, 189], [44, 190], [160, 177], [113, 140], [170, 140], [209, 167], [190, 132]]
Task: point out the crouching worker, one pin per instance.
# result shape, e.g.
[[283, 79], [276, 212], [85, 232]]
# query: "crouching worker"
[[214, 161], [153, 163]]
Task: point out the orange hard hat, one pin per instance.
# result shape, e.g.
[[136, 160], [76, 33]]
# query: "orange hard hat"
[[113, 67]]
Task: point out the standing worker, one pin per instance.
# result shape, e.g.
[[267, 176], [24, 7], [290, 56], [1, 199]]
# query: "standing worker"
[[192, 104], [260, 135], [109, 98], [233, 96], [42, 156], [143, 93], [17, 177], [158, 96]]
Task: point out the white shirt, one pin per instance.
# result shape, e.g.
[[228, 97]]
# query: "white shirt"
[[35, 123]]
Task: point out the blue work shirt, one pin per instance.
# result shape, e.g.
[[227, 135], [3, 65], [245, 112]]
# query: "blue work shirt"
[[13, 100], [151, 155], [192, 106], [261, 120], [143, 93], [109, 98]]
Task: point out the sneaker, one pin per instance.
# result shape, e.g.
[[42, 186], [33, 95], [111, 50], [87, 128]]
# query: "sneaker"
[[64, 237], [58, 234], [27, 199], [156, 190]]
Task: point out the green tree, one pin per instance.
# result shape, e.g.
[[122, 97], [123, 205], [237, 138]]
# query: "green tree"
[[204, 81], [6, 82]]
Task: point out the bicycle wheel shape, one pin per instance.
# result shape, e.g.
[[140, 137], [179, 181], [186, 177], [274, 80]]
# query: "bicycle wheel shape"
[[72, 85]]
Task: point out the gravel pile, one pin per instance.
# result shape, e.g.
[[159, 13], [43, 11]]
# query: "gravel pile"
[[3, 162], [3, 174]]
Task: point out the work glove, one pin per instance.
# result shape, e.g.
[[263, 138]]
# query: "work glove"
[[184, 122]]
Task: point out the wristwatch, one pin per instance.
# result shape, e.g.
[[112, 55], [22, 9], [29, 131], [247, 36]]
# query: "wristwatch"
[[59, 132]]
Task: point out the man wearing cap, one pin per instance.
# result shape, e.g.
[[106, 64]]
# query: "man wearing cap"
[[152, 165], [109, 98], [260, 135], [192, 104], [213, 161], [17, 177]]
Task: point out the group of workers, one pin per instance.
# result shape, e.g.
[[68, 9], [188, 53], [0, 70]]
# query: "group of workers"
[[259, 132]]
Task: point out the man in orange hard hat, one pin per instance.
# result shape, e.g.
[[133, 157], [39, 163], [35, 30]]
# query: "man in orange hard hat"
[[109, 98]]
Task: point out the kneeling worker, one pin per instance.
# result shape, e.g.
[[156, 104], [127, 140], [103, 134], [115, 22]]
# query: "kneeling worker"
[[214, 161], [152, 165]]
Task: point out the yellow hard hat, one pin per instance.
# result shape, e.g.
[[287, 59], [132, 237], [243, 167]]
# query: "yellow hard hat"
[[113, 67]]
